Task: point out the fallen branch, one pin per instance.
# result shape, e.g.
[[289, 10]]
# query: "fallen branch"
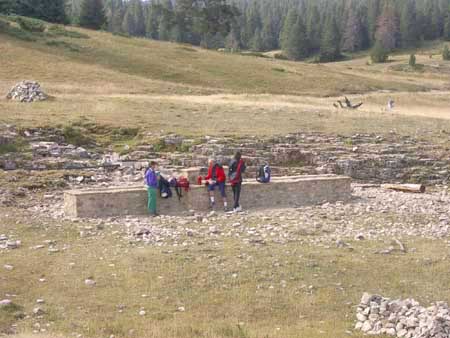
[[413, 188], [348, 104]]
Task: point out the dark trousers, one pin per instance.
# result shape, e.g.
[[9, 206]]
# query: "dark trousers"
[[236, 194]]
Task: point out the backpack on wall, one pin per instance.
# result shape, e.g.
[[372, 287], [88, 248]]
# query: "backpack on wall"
[[264, 174]]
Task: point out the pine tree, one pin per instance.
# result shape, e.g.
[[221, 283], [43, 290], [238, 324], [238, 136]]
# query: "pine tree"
[[268, 35], [164, 28], [47, 10], [313, 28], [353, 33], [6, 6], [379, 54], [288, 25], [373, 12], [253, 22], [387, 28], [153, 21], [330, 47], [296, 46], [114, 13], [233, 40], [134, 21], [446, 33], [256, 43], [408, 24], [92, 14]]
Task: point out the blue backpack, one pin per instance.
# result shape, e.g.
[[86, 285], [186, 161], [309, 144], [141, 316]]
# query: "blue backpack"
[[264, 174]]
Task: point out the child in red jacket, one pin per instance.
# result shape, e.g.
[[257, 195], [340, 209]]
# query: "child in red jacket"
[[216, 178]]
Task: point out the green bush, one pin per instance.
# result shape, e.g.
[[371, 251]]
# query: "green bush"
[[63, 44], [57, 30], [8, 148], [20, 34], [446, 53], [412, 61], [31, 25], [75, 136], [379, 54], [4, 25]]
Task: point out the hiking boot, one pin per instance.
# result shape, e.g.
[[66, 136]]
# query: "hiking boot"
[[212, 205]]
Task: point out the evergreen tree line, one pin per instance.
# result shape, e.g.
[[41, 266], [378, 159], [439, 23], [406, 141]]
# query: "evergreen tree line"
[[301, 28]]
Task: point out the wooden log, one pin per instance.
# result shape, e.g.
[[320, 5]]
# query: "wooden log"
[[413, 188]]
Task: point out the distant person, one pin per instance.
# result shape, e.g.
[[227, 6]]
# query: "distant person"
[[216, 178], [390, 104], [151, 180], [264, 173], [237, 168]]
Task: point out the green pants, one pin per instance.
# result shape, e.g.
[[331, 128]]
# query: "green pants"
[[151, 200]]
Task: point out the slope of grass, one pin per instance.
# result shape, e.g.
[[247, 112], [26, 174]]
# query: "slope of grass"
[[118, 81]]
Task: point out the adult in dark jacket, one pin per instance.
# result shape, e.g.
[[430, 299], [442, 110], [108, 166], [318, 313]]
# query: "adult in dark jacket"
[[237, 168]]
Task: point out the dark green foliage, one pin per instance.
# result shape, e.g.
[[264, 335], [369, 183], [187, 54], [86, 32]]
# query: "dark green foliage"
[[47, 10], [56, 30], [296, 46], [92, 14], [76, 136], [330, 45], [31, 25], [6, 6], [446, 33], [408, 25], [63, 44], [388, 33], [379, 54], [446, 53], [134, 21]]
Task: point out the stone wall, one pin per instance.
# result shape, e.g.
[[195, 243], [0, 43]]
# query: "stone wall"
[[282, 192]]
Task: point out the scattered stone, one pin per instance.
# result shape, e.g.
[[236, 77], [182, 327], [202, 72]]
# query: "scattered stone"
[[90, 282], [8, 267], [377, 315], [37, 311], [5, 302]]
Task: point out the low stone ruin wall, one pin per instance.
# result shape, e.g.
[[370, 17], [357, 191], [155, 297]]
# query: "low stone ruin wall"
[[282, 192]]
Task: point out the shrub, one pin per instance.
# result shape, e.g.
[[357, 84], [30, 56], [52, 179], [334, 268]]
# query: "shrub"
[[19, 33], [63, 44], [412, 61], [31, 25], [8, 148], [379, 54], [57, 30], [446, 53], [75, 136]]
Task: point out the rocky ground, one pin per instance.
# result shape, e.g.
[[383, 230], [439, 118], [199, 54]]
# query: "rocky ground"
[[373, 214]]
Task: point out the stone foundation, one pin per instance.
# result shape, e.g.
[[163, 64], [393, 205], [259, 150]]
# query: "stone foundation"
[[282, 192]]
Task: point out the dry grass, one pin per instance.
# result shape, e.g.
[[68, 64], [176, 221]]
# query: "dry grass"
[[164, 86]]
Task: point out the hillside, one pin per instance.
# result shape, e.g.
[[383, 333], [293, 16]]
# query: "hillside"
[[115, 80]]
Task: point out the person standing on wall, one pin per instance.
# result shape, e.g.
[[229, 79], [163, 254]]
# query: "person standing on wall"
[[237, 168], [151, 180]]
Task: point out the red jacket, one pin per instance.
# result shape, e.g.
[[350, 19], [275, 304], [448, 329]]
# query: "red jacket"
[[219, 174]]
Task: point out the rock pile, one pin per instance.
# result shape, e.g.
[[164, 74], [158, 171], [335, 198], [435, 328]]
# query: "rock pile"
[[27, 91], [377, 315]]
